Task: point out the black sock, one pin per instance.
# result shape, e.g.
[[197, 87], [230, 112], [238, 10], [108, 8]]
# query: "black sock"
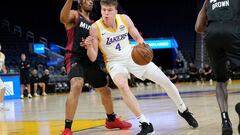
[[111, 117], [225, 116], [68, 124]]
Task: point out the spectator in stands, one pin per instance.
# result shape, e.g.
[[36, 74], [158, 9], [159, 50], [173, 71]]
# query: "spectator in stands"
[[35, 83], [45, 78], [24, 75], [193, 72], [229, 71], [63, 71], [207, 73], [173, 76], [2, 87], [179, 63]]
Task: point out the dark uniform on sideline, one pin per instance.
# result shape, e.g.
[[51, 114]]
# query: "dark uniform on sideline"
[[24, 72], [222, 36], [76, 59]]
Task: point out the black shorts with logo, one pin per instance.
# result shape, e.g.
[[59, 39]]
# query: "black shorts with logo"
[[222, 41], [89, 71]]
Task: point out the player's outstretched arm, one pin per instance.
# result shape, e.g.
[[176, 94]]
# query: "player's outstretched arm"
[[201, 22], [91, 43], [132, 29], [67, 16]]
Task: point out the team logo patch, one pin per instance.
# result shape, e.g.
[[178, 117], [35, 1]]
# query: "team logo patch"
[[122, 27]]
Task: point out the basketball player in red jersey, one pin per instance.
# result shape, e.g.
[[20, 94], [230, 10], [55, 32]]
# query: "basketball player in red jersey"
[[110, 33], [80, 68]]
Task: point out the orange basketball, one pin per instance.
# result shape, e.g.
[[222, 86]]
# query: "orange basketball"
[[142, 54]]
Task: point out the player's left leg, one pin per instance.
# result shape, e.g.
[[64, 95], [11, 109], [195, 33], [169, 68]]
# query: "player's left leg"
[[154, 74]]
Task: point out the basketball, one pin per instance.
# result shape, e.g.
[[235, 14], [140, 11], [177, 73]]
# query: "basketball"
[[142, 54]]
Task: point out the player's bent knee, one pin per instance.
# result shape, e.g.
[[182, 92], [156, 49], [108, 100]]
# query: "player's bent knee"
[[104, 91]]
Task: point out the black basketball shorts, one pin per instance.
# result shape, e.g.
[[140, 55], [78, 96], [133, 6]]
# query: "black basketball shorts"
[[222, 41]]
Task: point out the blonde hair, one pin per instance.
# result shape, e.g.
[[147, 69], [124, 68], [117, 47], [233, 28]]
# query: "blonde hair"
[[109, 2]]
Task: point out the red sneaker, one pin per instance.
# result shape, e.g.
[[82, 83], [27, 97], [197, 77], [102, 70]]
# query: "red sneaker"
[[123, 125], [67, 131]]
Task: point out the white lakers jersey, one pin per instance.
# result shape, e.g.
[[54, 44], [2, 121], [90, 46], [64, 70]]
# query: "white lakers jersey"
[[2, 60], [114, 44]]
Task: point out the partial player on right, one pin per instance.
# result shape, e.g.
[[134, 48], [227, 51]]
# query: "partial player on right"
[[110, 34], [219, 20], [237, 108]]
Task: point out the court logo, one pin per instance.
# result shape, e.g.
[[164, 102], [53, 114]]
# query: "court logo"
[[9, 88]]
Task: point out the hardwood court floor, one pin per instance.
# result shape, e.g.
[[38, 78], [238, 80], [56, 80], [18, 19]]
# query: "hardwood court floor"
[[45, 115]]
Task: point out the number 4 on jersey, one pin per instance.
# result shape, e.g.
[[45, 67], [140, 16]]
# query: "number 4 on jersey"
[[118, 47]]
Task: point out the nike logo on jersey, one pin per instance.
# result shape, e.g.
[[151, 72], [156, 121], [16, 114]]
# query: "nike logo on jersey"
[[219, 4], [84, 25], [111, 40]]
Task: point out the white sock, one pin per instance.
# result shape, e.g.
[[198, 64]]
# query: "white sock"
[[142, 119], [157, 76]]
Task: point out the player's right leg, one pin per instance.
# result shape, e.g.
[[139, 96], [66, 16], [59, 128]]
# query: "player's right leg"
[[130, 100], [75, 76], [98, 79], [119, 74]]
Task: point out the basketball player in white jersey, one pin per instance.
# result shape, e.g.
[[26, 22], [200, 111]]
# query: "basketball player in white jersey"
[[110, 34], [2, 88]]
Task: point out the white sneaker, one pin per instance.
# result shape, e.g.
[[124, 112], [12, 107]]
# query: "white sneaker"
[[211, 82], [36, 95], [229, 81], [22, 96], [4, 109], [44, 94], [29, 96]]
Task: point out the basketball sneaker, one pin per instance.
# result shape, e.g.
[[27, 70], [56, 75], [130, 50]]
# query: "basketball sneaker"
[[44, 94], [146, 129], [237, 108], [189, 118], [67, 131], [118, 123], [227, 128], [2, 108], [22, 96], [36, 95], [29, 96]]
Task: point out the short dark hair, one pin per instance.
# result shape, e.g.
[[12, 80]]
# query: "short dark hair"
[[109, 2]]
